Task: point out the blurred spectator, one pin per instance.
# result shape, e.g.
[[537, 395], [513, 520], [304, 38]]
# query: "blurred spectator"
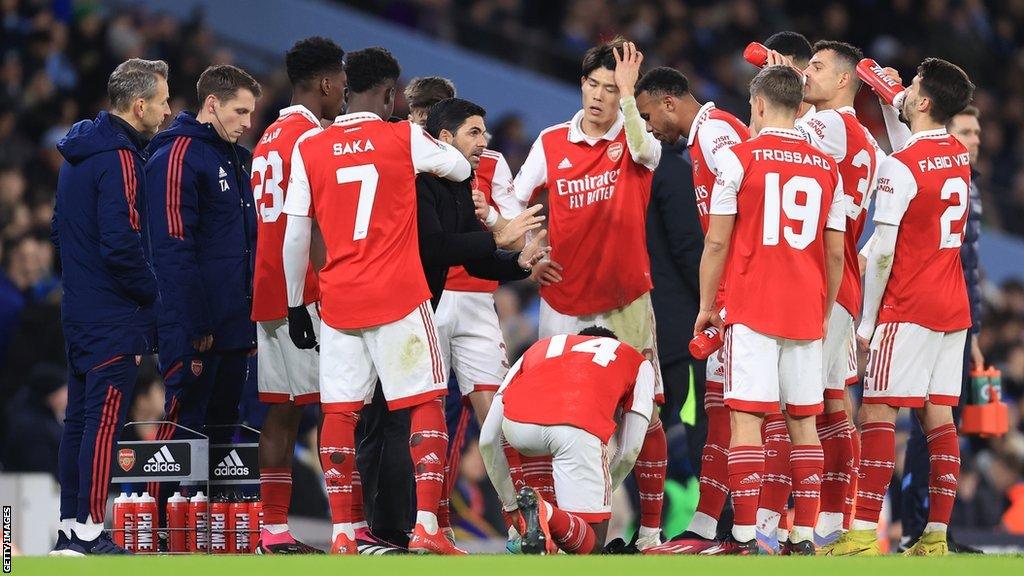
[[36, 413]]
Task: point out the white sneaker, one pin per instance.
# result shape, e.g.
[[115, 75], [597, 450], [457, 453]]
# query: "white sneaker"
[[649, 541]]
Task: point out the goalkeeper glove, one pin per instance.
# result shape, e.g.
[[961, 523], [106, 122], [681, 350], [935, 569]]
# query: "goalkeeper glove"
[[300, 328]]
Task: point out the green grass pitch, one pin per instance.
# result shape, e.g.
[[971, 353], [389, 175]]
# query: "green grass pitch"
[[501, 565]]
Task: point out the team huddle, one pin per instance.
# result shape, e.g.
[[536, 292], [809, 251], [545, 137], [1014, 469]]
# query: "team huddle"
[[379, 243]]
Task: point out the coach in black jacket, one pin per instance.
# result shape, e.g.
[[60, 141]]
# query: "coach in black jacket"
[[450, 235]]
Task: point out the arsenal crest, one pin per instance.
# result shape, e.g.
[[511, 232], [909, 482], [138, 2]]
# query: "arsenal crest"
[[126, 458], [197, 367], [615, 151]]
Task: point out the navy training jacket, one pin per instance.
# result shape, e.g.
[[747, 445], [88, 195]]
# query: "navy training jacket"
[[204, 236], [98, 229]]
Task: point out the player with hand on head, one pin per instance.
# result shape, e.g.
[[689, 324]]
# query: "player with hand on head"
[[597, 170], [916, 310], [777, 217], [287, 376], [565, 398], [791, 48], [671, 112], [357, 178]]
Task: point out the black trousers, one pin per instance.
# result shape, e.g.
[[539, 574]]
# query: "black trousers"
[[382, 457], [676, 378]]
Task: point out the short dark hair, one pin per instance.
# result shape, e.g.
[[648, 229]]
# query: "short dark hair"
[[133, 79], [782, 85], [789, 43], [313, 57], [847, 53], [602, 56], [371, 67], [426, 91], [598, 331], [948, 87], [449, 114], [224, 81], [663, 80]]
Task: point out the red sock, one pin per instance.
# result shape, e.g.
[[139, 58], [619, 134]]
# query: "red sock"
[[714, 468], [537, 474], [878, 458], [650, 475], [338, 459], [837, 446], [944, 472], [776, 483], [276, 494], [746, 466], [357, 497], [451, 466], [515, 464], [807, 462], [851, 490], [428, 444], [571, 533]]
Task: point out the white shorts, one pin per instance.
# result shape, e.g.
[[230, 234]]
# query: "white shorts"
[[579, 461], [909, 364], [763, 372], [471, 340], [840, 354], [404, 354], [633, 324], [285, 373]]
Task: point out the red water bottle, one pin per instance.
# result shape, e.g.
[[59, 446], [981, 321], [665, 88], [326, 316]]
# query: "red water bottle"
[[256, 521], [124, 521], [241, 523], [199, 523], [706, 343], [887, 89], [177, 523], [756, 53], [145, 524], [219, 511]]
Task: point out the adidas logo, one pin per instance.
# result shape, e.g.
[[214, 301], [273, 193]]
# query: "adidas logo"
[[815, 479], [333, 473], [754, 478], [223, 174], [430, 459], [231, 465], [948, 478], [564, 164], [162, 461]]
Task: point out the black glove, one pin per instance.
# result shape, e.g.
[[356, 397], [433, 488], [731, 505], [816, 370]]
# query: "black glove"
[[300, 328]]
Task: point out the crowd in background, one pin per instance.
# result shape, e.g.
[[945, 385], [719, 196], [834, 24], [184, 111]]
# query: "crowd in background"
[[55, 57]]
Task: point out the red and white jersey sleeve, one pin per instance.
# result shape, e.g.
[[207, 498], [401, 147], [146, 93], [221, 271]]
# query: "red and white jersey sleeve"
[[493, 178], [533, 174], [713, 132], [271, 170], [435, 157], [924, 189]]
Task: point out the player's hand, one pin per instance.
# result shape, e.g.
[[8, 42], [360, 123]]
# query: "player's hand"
[[203, 344], [863, 344], [777, 59], [546, 272], [977, 358], [517, 227], [893, 75], [480, 205], [707, 318], [534, 251], [627, 68], [300, 328]]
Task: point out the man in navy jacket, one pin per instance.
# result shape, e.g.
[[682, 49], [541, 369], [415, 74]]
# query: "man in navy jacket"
[[204, 240], [99, 228]]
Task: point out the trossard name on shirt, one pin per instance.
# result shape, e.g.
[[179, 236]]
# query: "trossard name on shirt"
[[588, 189], [790, 157]]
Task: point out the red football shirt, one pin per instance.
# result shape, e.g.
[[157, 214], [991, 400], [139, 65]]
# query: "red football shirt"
[[597, 215], [494, 178], [579, 381], [783, 193], [271, 167], [358, 179], [925, 190], [712, 131]]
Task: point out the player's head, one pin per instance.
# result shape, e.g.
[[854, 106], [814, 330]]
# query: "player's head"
[[831, 72], [600, 93], [659, 95], [137, 90], [940, 90], [373, 80], [598, 331], [227, 97], [316, 65], [460, 123], [775, 96], [422, 93], [792, 44], [966, 127]]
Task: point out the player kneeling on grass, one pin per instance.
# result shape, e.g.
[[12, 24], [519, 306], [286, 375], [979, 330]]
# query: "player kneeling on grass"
[[565, 398]]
